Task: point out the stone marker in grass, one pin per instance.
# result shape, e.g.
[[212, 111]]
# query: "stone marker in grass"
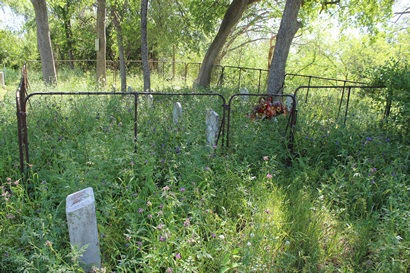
[[177, 112], [82, 226], [212, 126], [244, 91], [2, 79]]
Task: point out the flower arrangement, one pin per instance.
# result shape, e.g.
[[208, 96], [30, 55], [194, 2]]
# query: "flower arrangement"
[[267, 108]]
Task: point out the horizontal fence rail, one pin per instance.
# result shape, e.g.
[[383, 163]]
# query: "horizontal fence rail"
[[228, 76]]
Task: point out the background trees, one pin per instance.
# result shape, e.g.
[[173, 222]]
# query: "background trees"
[[184, 30]]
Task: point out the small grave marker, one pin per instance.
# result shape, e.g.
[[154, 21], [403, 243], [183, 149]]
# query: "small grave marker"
[[289, 103], [82, 226], [212, 126], [2, 79], [244, 90], [177, 112], [150, 101]]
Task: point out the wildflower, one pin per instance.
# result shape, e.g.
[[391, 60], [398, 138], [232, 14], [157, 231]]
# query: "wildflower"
[[10, 216], [373, 170], [287, 242], [266, 158], [169, 270], [132, 163], [166, 188], [369, 138], [182, 189], [16, 182], [160, 213], [162, 238], [149, 204], [187, 222], [221, 237], [160, 226], [248, 243], [149, 216], [267, 211], [127, 237], [269, 176], [178, 255], [140, 210], [49, 243], [8, 179], [213, 235]]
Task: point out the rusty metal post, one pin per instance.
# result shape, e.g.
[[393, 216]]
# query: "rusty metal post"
[[341, 100], [22, 119], [347, 103]]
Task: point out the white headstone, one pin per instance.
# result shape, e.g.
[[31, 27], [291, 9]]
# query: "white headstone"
[[150, 100], [212, 126], [177, 112], [244, 90], [289, 103], [1, 78], [82, 226]]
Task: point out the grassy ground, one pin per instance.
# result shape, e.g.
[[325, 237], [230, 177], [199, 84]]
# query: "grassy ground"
[[177, 205]]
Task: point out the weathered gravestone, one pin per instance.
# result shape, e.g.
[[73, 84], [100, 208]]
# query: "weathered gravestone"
[[212, 126], [82, 226], [244, 91], [2, 79], [289, 103], [177, 112], [150, 101]]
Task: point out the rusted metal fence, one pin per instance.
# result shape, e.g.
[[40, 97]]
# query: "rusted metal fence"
[[131, 108], [227, 76]]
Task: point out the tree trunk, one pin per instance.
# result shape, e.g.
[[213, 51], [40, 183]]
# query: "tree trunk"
[[101, 36], [289, 25], [144, 46], [44, 42], [117, 25], [68, 33], [231, 18]]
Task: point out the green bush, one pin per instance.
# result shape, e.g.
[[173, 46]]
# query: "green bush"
[[395, 97]]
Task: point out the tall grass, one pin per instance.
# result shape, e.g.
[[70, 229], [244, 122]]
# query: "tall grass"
[[178, 205]]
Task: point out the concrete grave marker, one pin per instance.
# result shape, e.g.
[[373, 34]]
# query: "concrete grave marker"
[[2, 79], [289, 103], [244, 90], [150, 101], [212, 126], [177, 112], [82, 226]]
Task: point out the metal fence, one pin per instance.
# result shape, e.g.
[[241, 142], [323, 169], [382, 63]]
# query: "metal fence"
[[130, 118], [184, 73]]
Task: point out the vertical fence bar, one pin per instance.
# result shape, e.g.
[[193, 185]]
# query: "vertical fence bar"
[[347, 103], [307, 91], [341, 99], [259, 81]]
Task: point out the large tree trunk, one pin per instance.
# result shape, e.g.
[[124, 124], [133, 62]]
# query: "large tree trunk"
[[289, 25], [144, 46], [231, 18], [101, 36], [117, 25], [44, 42]]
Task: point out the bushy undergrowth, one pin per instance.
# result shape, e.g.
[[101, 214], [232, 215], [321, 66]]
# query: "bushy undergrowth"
[[339, 203]]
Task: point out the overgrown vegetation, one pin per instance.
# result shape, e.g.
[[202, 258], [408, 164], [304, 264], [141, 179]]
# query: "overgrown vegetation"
[[178, 205]]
